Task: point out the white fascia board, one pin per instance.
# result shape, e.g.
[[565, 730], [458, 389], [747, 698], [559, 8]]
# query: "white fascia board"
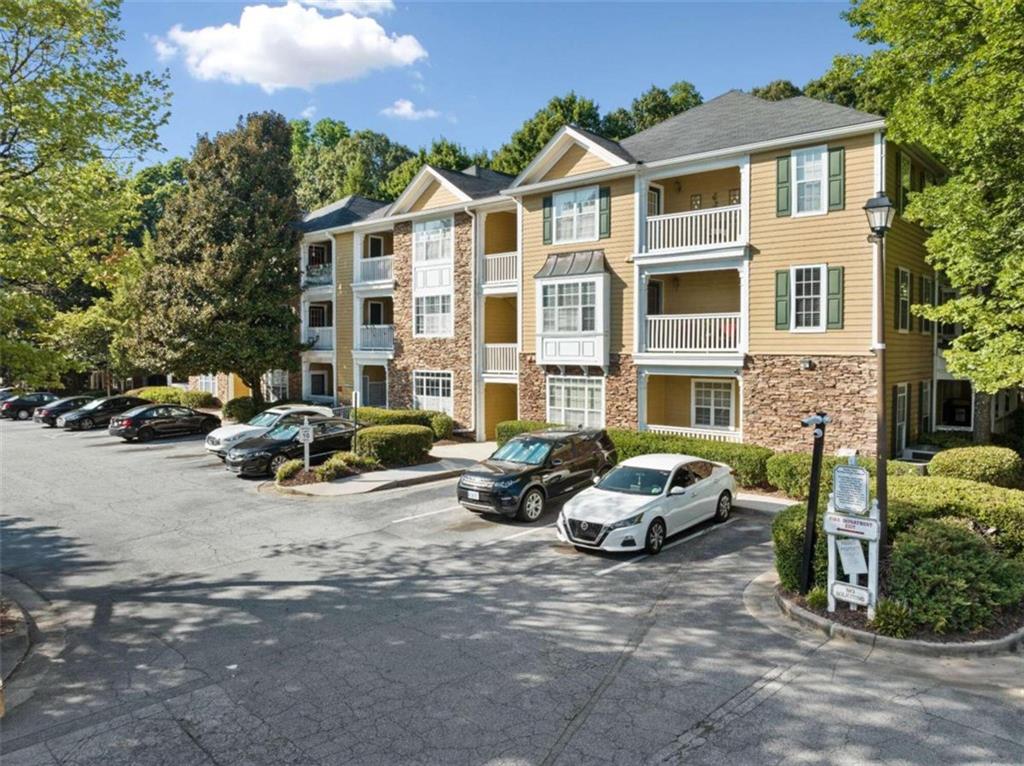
[[567, 135], [578, 180], [434, 212], [417, 186]]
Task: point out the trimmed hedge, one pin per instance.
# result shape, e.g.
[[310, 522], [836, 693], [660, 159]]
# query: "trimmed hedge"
[[1000, 466], [439, 423], [442, 425], [161, 394], [790, 472], [788, 540], [289, 469], [241, 409], [509, 429], [394, 445], [342, 464], [945, 439], [199, 399]]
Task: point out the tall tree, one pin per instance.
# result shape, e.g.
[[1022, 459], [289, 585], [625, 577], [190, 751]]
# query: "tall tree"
[[847, 83], [533, 134], [776, 90], [70, 115], [442, 154], [617, 124], [154, 185], [219, 296], [657, 104], [952, 73]]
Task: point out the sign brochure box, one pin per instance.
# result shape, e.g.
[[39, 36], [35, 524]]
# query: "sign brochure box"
[[849, 519], [850, 489]]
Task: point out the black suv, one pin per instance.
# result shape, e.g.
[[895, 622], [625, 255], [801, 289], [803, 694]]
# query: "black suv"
[[531, 469]]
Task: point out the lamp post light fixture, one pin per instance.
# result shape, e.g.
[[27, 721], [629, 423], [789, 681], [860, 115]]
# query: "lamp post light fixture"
[[880, 212]]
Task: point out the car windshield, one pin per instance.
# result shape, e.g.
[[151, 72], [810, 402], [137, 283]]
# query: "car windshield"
[[283, 433], [264, 419], [528, 451], [634, 481]]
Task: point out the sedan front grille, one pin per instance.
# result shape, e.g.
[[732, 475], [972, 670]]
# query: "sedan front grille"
[[212, 441], [477, 482], [587, 531]]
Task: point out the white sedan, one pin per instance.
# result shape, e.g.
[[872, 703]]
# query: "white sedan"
[[222, 439], [645, 499]]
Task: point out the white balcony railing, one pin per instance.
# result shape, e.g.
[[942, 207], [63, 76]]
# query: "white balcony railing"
[[698, 433], [697, 228], [317, 274], [375, 269], [321, 338], [377, 337], [501, 267], [693, 333], [501, 358]]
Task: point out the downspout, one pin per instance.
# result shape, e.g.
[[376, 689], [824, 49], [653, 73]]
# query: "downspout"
[[472, 326]]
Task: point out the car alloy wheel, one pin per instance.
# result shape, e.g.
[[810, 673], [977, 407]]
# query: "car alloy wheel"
[[207, 426], [86, 424], [724, 507], [22, 414], [532, 506], [655, 537], [276, 462], [146, 434]]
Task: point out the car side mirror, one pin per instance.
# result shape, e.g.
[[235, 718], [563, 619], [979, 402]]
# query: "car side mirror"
[[677, 491]]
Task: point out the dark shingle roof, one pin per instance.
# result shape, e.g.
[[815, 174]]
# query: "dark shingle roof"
[[572, 264], [606, 143], [736, 119], [474, 181], [345, 211]]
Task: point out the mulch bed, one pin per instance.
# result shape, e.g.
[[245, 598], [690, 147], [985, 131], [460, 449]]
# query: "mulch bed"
[[309, 477]]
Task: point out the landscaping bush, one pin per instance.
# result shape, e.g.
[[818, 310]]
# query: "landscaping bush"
[[788, 540], [438, 422], [342, 464], [161, 394], [817, 598], [442, 426], [904, 468], [951, 579], [288, 470], [790, 472], [198, 399], [395, 445], [1000, 466], [511, 428], [893, 618], [241, 408], [945, 439]]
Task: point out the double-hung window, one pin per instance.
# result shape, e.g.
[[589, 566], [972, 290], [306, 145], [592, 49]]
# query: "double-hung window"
[[432, 240], [810, 190], [808, 298], [575, 213], [432, 316], [928, 299], [208, 383], [712, 404], [902, 300], [576, 402], [432, 391], [569, 307]]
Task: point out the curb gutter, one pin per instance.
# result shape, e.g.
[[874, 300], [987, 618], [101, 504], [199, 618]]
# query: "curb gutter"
[[411, 481]]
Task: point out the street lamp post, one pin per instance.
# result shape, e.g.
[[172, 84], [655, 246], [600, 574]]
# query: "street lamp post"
[[880, 212]]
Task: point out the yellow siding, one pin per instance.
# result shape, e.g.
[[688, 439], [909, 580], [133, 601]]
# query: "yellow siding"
[[838, 238], [375, 373], [500, 233], [500, 404], [576, 160], [389, 242], [703, 292], [669, 400], [500, 319], [433, 196], [617, 249], [343, 315], [713, 188], [239, 388]]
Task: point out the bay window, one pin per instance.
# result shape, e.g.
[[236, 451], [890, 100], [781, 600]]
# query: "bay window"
[[576, 402], [569, 307], [575, 214]]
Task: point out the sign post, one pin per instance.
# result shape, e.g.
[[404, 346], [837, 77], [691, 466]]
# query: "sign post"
[[305, 436], [819, 421], [849, 520]]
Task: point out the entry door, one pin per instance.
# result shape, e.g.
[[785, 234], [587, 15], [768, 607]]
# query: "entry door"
[[318, 383], [901, 419], [654, 297], [375, 311]]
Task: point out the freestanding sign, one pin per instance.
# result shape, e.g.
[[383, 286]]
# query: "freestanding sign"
[[849, 520], [305, 437]]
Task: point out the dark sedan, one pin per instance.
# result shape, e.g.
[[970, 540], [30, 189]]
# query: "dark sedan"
[[267, 453], [98, 412], [22, 407], [48, 413], [151, 421]]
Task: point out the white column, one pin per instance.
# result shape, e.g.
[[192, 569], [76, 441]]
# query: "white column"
[[640, 312], [745, 198], [744, 272], [641, 401], [305, 379], [640, 214]]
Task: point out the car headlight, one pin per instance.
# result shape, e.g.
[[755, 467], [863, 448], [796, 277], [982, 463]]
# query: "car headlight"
[[632, 521]]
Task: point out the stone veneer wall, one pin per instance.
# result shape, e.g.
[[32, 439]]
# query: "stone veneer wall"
[[442, 354], [620, 390], [777, 394]]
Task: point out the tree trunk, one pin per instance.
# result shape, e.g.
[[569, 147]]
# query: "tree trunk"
[[982, 418], [255, 389], [108, 377]]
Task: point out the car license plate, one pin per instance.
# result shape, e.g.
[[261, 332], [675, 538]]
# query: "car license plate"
[[472, 494]]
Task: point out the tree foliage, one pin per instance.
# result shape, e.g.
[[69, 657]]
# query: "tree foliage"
[[218, 296], [847, 83], [777, 90], [533, 134], [154, 185], [952, 74], [442, 154]]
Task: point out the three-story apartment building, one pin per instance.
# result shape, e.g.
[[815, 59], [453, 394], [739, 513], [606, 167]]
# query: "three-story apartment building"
[[710, 276]]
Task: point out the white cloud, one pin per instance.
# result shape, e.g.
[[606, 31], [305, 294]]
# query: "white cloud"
[[355, 7], [404, 109], [164, 50], [288, 46], [308, 112]]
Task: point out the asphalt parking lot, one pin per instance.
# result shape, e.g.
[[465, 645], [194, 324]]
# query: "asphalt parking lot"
[[201, 619]]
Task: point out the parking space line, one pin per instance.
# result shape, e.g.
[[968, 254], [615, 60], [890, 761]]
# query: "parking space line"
[[525, 532], [428, 513], [641, 557]]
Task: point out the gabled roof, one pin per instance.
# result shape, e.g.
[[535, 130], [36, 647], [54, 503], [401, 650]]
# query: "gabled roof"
[[572, 264], [737, 119], [475, 182], [610, 151], [341, 213]]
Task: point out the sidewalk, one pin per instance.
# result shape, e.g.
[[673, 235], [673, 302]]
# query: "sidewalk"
[[452, 460]]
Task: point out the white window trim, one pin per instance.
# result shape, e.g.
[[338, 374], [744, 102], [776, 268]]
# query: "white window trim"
[[450, 255], [928, 300], [930, 398], [569, 379], [579, 313], [823, 312], [900, 274], [732, 404], [369, 311], [416, 374], [823, 151], [661, 198], [902, 389], [369, 239], [450, 331], [597, 215]]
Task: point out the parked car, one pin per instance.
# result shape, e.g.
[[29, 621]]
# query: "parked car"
[[7, 392], [531, 469], [48, 413], [224, 438], [22, 407], [646, 499], [98, 412], [266, 453], [150, 421]]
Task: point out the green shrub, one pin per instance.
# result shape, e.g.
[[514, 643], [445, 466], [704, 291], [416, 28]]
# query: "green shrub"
[[161, 394], [509, 429], [893, 618], [241, 408], [817, 597], [951, 579], [1000, 466], [342, 464], [288, 470], [945, 439], [438, 422], [788, 540], [749, 461], [790, 472], [395, 445], [199, 399], [903, 468], [442, 425]]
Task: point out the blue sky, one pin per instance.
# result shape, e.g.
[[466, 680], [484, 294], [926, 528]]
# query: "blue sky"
[[472, 71]]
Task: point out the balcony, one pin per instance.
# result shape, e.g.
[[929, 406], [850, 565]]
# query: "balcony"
[[376, 337], [372, 270], [501, 268], [501, 358], [320, 338], [696, 433], [317, 274], [696, 229], [693, 333]]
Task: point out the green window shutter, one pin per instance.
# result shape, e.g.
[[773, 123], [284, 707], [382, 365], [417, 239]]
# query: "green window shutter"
[[835, 298], [547, 220], [896, 304], [782, 300], [836, 178], [910, 401], [782, 185], [604, 213]]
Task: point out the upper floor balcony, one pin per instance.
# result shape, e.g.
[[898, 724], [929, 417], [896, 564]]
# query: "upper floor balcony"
[[376, 337], [370, 271], [320, 338], [501, 269], [316, 275], [501, 358], [317, 264], [695, 229]]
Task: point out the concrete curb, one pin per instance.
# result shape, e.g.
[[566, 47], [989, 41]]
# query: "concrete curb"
[[47, 641], [808, 619], [16, 645], [410, 482]]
